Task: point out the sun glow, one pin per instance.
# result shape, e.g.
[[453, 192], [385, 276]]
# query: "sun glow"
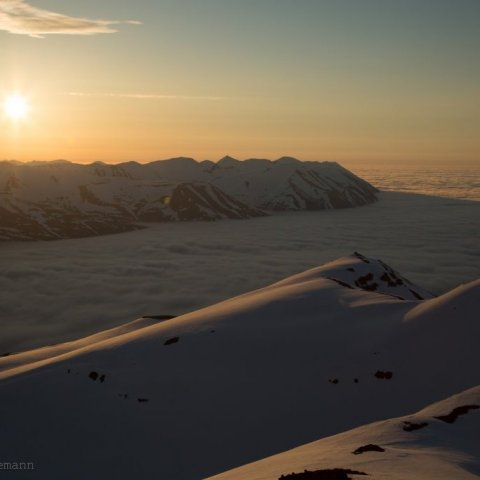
[[16, 107]]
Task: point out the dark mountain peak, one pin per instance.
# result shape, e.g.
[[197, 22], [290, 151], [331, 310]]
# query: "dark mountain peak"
[[183, 160], [228, 161], [287, 161]]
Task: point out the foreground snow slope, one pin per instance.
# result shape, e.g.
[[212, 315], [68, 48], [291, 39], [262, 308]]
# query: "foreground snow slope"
[[9, 360], [432, 444], [253, 376]]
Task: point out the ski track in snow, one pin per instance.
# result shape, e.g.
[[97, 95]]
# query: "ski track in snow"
[[55, 291]]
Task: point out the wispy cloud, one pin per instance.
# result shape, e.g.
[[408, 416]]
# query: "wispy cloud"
[[147, 96], [18, 16]]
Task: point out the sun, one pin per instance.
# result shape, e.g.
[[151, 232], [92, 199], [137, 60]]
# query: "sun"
[[16, 107]]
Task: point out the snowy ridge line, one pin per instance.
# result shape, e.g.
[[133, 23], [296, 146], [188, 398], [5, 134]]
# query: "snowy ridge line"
[[48, 200]]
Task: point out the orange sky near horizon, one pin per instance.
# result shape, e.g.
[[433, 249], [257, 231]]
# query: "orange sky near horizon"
[[307, 79], [115, 129]]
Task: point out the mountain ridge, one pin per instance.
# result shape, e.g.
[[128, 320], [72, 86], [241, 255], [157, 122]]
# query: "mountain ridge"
[[48, 200]]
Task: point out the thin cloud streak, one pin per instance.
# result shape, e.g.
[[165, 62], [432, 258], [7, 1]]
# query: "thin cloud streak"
[[147, 96], [19, 17]]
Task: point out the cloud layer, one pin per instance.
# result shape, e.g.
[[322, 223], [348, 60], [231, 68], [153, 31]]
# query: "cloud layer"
[[17, 16], [54, 291], [147, 96]]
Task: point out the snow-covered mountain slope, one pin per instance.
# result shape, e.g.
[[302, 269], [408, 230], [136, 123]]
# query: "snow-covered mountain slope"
[[44, 200], [244, 379], [63, 200], [357, 271], [441, 442], [283, 184], [10, 360]]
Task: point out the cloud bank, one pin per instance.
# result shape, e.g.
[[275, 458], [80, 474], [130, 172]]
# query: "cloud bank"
[[54, 291], [449, 182], [17, 16]]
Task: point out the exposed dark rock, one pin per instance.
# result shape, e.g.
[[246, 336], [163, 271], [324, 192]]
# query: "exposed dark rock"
[[396, 280], [457, 412], [327, 474], [391, 279], [334, 380], [340, 282], [361, 257], [355, 380], [395, 296], [350, 269], [102, 378], [192, 201], [365, 279], [368, 448], [411, 427], [366, 282], [383, 375], [93, 375], [143, 400], [172, 340], [415, 294]]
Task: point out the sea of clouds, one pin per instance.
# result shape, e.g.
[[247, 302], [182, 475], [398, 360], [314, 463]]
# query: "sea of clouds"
[[451, 182], [55, 291]]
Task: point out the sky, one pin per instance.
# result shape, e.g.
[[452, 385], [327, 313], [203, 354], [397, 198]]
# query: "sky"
[[355, 81]]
